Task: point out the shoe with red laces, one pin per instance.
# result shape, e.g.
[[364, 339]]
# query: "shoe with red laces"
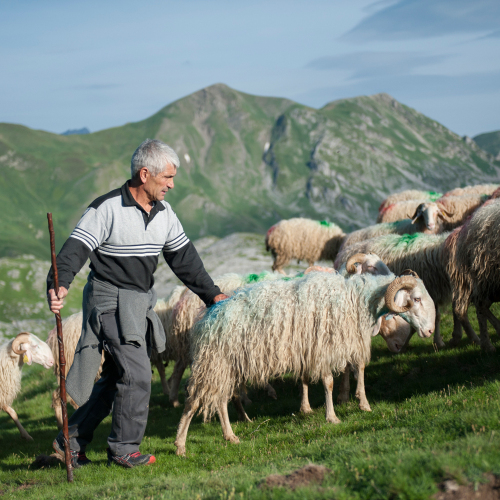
[[130, 459], [78, 458]]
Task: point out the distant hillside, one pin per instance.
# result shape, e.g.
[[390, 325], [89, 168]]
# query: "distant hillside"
[[247, 162], [77, 131], [490, 142]]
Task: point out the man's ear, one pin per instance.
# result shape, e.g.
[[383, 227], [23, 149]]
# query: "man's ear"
[[143, 174]]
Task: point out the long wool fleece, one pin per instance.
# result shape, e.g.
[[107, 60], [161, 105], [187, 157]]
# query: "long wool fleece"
[[312, 325]]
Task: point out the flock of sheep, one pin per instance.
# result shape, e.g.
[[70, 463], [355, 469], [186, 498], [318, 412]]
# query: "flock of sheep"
[[427, 251]]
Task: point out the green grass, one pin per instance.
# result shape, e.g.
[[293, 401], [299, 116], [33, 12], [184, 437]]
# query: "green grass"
[[436, 415]]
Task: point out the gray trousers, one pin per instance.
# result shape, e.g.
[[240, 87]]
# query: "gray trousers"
[[124, 388]]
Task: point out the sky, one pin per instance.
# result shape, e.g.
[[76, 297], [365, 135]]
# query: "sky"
[[99, 64]]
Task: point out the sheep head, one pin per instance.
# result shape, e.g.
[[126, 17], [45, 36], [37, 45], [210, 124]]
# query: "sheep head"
[[366, 263], [407, 297], [32, 349], [395, 331], [429, 213]]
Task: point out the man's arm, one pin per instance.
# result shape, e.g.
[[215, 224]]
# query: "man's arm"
[[188, 267]]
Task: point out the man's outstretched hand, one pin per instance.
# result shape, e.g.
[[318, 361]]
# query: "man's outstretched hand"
[[221, 296], [56, 302]]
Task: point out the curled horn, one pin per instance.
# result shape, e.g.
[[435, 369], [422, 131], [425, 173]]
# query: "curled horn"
[[20, 339], [418, 213], [409, 272], [354, 259], [403, 282]]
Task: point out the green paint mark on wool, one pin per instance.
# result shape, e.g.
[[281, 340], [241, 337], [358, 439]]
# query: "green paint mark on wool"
[[407, 239], [433, 195], [255, 278], [325, 223], [289, 278]]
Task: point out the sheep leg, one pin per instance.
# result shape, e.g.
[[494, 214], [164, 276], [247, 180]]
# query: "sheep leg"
[[495, 323], [469, 331], [187, 416], [244, 397], [175, 382], [360, 390], [305, 407], [438, 340], [482, 315], [56, 404], [456, 336], [242, 416], [270, 391], [13, 415], [343, 396], [227, 430], [161, 371], [330, 412], [279, 263]]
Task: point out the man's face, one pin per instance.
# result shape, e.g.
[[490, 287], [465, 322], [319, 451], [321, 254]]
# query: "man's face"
[[156, 187]]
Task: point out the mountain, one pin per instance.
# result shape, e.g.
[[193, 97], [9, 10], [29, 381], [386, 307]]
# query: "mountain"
[[77, 131], [246, 162], [490, 142]]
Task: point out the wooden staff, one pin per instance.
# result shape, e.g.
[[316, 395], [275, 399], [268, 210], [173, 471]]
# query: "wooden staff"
[[62, 359]]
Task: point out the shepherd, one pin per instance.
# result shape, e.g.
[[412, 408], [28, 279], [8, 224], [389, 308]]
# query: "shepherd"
[[123, 232]]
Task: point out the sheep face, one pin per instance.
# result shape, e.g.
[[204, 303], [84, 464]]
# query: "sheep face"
[[421, 314], [429, 213], [395, 331], [34, 350], [372, 265]]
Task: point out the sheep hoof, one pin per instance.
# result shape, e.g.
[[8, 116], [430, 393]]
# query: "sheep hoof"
[[233, 439], [440, 344], [454, 342], [488, 347], [342, 399], [306, 409], [333, 420], [272, 393], [364, 407], [180, 451]]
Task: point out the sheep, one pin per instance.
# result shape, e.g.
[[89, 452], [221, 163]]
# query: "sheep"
[[395, 331], [303, 239], [309, 326], [399, 210], [424, 253], [486, 189], [71, 330], [426, 219], [409, 194], [473, 265], [24, 348]]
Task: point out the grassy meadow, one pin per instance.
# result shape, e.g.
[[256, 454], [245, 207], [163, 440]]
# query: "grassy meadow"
[[436, 416]]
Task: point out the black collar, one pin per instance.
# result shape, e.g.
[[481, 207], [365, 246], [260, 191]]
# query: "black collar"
[[129, 201]]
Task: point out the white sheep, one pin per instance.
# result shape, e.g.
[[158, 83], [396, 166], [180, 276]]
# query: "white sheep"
[[303, 239], [24, 348], [479, 189], [311, 326], [409, 194]]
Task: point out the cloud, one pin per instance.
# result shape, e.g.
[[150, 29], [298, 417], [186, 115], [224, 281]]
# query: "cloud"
[[373, 64], [413, 19], [96, 86], [409, 87]]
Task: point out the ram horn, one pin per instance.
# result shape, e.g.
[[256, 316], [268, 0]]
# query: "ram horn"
[[400, 283], [409, 272], [355, 259], [20, 339]]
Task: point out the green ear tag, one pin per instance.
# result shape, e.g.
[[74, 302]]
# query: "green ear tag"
[[25, 358]]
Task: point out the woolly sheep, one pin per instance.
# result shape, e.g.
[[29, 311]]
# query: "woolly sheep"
[[480, 189], [24, 348], [71, 331], [309, 326], [473, 253], [303, 239], [409, 194], [424, 253], [456, 209]]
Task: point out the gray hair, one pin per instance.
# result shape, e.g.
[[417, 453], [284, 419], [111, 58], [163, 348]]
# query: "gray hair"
[[154, 155]]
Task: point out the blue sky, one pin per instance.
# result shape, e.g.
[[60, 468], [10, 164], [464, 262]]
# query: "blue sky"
[[67, 64]]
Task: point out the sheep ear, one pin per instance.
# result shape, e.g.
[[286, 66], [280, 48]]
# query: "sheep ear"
[[376, 327], [27, 356]]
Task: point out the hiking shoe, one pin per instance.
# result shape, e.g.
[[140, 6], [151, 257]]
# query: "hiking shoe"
[[130, 459], [78, 458]]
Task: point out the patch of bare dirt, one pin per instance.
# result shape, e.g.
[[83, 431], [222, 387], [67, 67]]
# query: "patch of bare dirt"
[[451, 490], [46, 461], [301, 477]]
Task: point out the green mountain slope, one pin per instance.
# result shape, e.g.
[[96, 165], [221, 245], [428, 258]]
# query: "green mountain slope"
[[247, 162], [490, 142]]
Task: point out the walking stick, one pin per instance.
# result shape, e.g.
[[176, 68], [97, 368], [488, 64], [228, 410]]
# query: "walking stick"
[[62, 359]]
